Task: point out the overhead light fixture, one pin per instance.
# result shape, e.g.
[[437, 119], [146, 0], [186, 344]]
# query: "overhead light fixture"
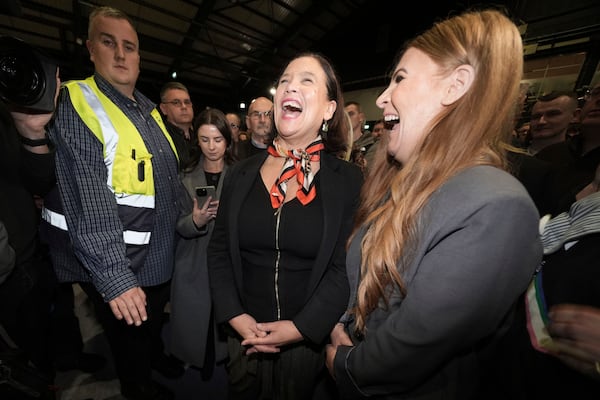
[[242, 105], [272, 91], [174, 75], [246, 46]]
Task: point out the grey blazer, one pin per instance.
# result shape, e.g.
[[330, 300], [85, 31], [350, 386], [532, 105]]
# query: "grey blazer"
[[477, 249]]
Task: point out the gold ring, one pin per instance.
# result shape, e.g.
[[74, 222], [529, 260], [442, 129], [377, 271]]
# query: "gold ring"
[[597, 364]]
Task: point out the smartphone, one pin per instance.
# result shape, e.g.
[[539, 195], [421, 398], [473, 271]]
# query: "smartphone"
[[204, 191]]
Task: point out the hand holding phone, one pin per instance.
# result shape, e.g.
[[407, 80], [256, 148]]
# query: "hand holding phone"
[[205, 210]]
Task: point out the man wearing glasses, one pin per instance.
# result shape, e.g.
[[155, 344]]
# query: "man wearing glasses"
[[176, 107], [259, 122]]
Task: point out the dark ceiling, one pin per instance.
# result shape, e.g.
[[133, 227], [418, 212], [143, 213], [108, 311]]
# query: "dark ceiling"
[[226, 51]]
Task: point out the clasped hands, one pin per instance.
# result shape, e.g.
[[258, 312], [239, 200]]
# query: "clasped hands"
[[265, 337], [268, 337]]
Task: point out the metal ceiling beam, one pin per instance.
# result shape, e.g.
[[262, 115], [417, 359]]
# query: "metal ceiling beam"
[[273, 58], [201, 16]]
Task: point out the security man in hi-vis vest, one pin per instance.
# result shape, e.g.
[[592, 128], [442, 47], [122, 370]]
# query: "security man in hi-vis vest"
[[117, 172]]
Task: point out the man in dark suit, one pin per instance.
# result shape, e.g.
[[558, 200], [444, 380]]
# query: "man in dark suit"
[[176, 106]]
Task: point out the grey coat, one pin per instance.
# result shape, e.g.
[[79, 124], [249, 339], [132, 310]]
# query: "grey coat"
[[191, 302], [477, 249]]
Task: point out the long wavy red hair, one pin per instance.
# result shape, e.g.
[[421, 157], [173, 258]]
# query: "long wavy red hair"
[[471, 131]]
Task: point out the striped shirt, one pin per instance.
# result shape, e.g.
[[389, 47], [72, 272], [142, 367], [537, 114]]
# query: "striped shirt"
[[582, 219]]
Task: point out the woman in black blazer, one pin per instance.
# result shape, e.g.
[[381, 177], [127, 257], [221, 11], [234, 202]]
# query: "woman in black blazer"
[[277, 255]]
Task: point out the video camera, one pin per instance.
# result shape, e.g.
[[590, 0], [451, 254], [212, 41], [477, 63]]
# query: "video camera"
[[27, 77]]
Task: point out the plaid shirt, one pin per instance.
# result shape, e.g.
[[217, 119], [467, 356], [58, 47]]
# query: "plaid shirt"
[[90, 207]]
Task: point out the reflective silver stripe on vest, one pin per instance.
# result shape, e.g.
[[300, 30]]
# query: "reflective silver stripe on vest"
[[55, 219], [109, 133], [59, 221], [111, 139], [135, 200], [134, 237]]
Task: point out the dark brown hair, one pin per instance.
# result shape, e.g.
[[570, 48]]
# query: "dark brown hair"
[[211, 116], [336, 137]]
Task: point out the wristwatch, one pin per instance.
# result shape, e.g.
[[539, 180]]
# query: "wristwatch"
[[35, 142]]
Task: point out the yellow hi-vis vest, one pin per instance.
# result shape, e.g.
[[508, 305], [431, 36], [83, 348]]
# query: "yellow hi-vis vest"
[[128, 162]]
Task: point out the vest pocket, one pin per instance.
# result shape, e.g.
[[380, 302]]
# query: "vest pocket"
[[136, 175]]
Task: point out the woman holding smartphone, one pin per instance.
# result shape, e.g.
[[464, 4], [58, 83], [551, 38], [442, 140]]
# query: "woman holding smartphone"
[[193, 337]]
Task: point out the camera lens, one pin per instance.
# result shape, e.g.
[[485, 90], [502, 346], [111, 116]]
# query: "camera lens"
[[27, 77], [21, 76]]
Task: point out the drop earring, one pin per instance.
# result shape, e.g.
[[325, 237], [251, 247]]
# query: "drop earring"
[[325, 126]]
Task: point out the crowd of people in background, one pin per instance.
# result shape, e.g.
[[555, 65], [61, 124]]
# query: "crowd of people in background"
[[445, 253]]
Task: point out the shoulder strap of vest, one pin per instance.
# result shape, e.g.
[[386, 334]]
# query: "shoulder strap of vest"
[[93, 107], [158, 118]]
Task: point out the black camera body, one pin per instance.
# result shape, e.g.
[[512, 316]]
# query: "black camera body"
[[27, 77]]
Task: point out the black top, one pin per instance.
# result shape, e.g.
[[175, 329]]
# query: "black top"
[[212, 178], [537, 176], [186, 149], [569, 179], [247, 149], [299, 236]]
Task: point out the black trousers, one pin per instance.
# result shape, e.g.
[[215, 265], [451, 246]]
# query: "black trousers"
[[133, 347], [66, 332]]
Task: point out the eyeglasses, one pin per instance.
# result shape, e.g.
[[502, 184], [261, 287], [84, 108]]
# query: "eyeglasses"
[[234, 126], [592, 94], [258, 114], [179, 103]]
